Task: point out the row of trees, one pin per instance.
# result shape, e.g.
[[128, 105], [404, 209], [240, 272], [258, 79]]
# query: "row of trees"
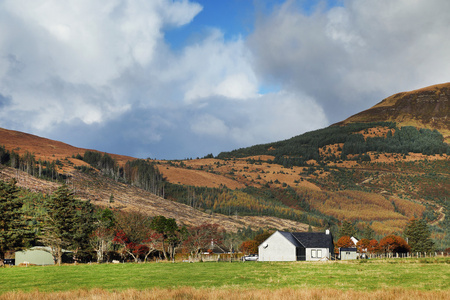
[[141, 173], [28, 163], [66, 223], [416, 233]]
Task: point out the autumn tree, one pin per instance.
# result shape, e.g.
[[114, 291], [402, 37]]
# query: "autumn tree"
[[249, 247], [394, 244], [363, 245], [345, 242], [202, 237], [102, 237], [14, 231], [133, 231], [419, 236], [373, 246]]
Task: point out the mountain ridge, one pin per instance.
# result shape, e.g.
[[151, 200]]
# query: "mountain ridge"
[[427, 107]]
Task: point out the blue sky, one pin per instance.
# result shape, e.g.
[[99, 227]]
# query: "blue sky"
[[173, 79]]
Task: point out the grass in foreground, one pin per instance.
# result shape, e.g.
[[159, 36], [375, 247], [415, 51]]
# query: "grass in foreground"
[[212, 294], [398, 276]]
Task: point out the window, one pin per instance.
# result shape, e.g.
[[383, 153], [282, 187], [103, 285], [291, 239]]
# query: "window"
[[313, 253], [319, 253]]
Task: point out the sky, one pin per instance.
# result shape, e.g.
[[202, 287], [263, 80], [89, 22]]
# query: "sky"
[[177, 79]]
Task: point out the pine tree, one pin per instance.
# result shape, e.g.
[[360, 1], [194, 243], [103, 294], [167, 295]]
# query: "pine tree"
[[347, 229], [14, 232], [419, 236], [67, 224]]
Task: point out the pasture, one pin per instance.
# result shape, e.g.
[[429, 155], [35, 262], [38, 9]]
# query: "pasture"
[[383, 279]]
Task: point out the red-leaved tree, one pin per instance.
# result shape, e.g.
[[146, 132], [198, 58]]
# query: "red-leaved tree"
[[201, 237], [363, 245], [373, 247], [394, 244], [249, 247]]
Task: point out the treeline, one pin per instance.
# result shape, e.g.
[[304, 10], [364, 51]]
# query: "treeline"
[[28, 163], [60, 222], [297, 151], [281, 203], [404, 140], [141, 173], [306, 146]]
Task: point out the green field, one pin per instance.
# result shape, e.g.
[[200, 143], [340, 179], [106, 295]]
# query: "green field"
[[423, 275]]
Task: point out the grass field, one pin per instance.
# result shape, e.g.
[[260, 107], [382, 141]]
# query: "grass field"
[[422, 278]]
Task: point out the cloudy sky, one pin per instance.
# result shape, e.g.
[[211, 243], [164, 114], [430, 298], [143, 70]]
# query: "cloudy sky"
[[174, 79]]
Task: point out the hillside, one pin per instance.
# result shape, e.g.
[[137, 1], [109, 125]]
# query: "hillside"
[[423, 108], [376, 169]]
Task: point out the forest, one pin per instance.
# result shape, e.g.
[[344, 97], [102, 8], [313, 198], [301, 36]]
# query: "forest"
[[297, 151]]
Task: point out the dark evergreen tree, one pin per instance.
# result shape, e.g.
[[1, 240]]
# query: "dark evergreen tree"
[[67, 223], [14, 231], [419, 236], [347, 229], [169, 229]]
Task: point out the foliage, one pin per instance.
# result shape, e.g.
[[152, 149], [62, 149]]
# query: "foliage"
[[135, 235], [169, 233], [139, 172], [345, 242], [27, 163], [393, 244], [14, 230], [298, 150], [102, 237], [277, 202], [419, 236], [249, 247], [202, 237], [67, 223], [347, 229]]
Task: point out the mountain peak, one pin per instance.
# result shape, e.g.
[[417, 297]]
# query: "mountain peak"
[[425, 108]]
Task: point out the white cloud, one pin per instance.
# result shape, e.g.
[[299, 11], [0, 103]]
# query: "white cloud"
[[348, 58], [65, 60], [106, 66]]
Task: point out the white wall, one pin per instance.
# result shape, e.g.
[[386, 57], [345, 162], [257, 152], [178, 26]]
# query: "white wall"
[[278, 249], [325, 253]]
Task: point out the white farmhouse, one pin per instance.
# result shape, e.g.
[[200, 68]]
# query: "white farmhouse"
[[293, 246]]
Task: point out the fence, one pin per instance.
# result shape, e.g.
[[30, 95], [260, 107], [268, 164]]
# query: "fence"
[[406, 255]]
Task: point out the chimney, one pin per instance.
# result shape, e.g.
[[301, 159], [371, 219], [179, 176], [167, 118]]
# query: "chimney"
[[327, 231]]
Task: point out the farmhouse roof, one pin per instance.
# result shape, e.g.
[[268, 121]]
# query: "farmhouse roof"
[[348, 249], [309, 239]]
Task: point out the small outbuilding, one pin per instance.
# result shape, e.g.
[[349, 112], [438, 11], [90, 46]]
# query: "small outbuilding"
[[297, 246], [35, 256], [348, 253], [40, 256]]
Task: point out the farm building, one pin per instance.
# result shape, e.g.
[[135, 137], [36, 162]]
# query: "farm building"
[[39, 256], [34, 256], [348, 253], [294, 246]]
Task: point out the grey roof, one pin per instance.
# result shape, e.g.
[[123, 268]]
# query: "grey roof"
[[309, 239], [291, 238]]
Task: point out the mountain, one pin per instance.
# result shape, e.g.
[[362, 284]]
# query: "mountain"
[[98, 188], [376, 169], [424, 108]]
